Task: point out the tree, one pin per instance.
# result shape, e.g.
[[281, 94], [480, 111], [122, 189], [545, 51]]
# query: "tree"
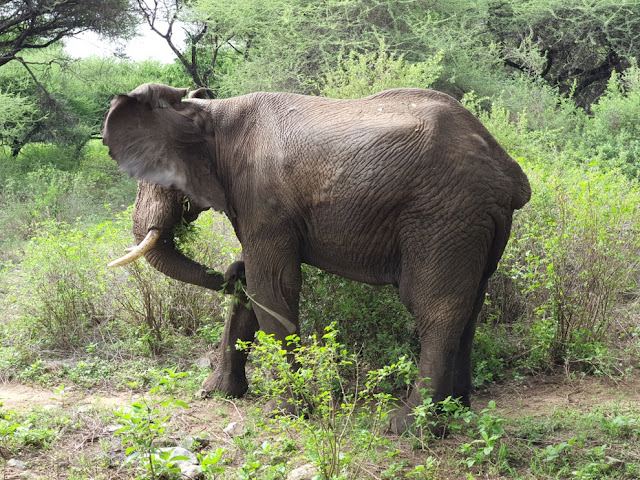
[[18, 115], [36, 24], [28, 27], [64, 102], [206, 48], [573, 45], [290, 44]]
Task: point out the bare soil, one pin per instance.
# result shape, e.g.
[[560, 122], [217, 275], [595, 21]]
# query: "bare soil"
[[90, 440], [544, 394]]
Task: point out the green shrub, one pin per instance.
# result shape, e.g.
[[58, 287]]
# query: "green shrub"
[[63, 285], [571, 263], [360, 74], [18, 114], [48, 183], [493, 347], [574, 254], [340, 421], [612, 134], [67, 296], [373, 321], [548, 119], [163, 310]]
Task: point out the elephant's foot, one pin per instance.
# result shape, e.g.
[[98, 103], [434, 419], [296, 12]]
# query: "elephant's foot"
[[225, 383]]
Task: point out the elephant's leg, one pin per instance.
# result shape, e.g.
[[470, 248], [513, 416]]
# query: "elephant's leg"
[[273, 284], [441, 294], [228, 376], [462, 372], [274, 281]]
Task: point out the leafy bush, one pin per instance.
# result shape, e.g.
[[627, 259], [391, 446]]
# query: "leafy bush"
[[345, 418], [574, 254], [361, 74], [612, 134], [571, 263], [48, 183], [18, 113], [69, 299], [357, 307], [64, 284]]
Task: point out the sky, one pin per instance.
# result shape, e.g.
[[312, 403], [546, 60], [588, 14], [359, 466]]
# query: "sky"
[[147, 45]]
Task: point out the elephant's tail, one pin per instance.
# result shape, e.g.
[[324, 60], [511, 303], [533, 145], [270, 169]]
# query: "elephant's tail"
[[521, 189]]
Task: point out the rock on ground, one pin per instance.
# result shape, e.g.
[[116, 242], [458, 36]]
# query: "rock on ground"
[[305, 472]]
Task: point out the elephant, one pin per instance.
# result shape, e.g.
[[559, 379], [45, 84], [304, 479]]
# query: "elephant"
[[403, 187]]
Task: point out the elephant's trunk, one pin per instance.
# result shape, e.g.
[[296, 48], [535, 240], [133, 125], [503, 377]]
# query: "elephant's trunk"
[[156, 213], [166, 259]]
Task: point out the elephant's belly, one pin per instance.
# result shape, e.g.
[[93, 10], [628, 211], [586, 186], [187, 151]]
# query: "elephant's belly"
[[355, 261], [362, 244]]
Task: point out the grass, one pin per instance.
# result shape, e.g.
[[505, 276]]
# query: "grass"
[[586, 428]]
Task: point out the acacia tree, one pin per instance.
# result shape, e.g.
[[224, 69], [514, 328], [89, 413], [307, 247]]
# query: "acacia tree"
[[37, 24], [205, 45], [575, 46], [290, 44], [31, 27], [67, 104]]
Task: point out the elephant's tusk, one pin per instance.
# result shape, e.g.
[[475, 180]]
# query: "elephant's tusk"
[[136, 252]]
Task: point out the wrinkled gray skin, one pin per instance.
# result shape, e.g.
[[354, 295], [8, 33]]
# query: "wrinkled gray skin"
[[403, 187], [164, 209]]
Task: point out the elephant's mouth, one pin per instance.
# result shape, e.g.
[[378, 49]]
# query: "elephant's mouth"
[[134, 253]]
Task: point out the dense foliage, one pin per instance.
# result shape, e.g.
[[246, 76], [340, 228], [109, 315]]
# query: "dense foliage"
[[34, 25]]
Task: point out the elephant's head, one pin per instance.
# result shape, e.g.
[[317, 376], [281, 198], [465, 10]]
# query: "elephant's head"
[[157, 138], [160, 209]]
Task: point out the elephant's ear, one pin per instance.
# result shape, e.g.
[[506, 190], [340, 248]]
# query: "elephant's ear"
[[154, 136]]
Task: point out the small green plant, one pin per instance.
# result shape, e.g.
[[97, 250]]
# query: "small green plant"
[[597, 464], [316, 388], [17, 432], [488, 447], [168, 380], [553, 452], [553, 458], [142, 426], [8, 427], [624, 426], [262, 464], [425, 471], [211, 463], [435, 420]]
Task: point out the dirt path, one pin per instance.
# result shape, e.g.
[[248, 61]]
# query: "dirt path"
[[18, 397], [533, 396], [536, 397], [542, 395]]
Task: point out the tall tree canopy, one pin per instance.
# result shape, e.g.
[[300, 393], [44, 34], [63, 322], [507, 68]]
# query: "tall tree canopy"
[[237, 46], [573, 45], [36, 24]]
